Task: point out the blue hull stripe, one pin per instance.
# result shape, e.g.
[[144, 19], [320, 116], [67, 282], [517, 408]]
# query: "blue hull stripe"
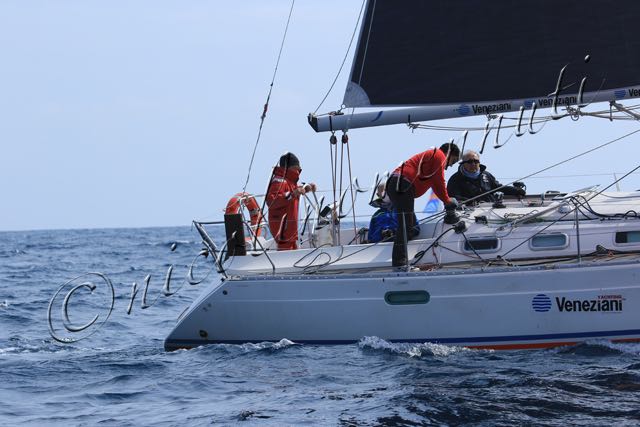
[[176, 343]]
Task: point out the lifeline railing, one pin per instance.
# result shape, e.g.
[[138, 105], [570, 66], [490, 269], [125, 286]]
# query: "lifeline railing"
[[211, 246], [217, 254]]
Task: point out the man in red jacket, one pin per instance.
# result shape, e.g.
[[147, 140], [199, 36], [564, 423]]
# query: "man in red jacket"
[[411, 180], [282, 199]]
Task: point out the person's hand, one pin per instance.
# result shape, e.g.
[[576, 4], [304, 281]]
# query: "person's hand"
[[521, 189], [299, 191], [452, 205], [310, 187], [387, 234]]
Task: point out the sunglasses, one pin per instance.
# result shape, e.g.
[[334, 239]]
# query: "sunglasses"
[[474, 161]]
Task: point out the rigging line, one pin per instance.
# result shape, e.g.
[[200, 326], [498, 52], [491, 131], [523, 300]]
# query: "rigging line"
[[459, 253], [621, 197], [470, 129], [420, 254], [554, 165], [342, 256], [466, 240], [353, 198], [264, 201], [478, 129], [503, 256], [344, 60], [543, 119], [569, 176], [339, 211], [577, 205], [357, 251], [369, 246], [266, 104], [574, 111], [334, 172], [433, 127]]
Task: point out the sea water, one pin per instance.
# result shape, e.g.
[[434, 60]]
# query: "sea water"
[[120, 375]]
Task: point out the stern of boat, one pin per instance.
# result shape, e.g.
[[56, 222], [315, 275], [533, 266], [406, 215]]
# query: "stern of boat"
[[188, 331]]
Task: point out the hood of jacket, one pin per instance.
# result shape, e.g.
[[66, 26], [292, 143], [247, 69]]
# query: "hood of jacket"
[[289, 174]]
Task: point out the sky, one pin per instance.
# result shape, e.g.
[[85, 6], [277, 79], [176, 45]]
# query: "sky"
[[145, 113]]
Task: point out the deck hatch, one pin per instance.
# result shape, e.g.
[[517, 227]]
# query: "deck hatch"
[[406, 297]]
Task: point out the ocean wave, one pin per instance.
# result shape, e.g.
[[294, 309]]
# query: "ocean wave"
[[247, 415], [18, 345], [268, 346], [9, 316], [53, 246], [116, 396], [235, 349], [618, 381], [629, 348], [8, 253], [167, 244], [600, 348], [410, 349], [101, 380], [23, 348]]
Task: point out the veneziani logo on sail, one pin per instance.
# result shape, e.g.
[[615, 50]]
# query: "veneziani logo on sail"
[[548, 102], [489, 109], [465, 110], [602, 303]]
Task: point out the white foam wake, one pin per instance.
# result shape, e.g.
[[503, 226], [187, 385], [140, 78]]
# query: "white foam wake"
[[410, 349]]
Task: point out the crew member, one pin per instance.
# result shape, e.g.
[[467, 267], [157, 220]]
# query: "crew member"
[[411, 180], [384, 221], [282, 200], [472, 180]]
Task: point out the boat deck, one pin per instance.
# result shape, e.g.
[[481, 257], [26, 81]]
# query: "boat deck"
[[468, 267]]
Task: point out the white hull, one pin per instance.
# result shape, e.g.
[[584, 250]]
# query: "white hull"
[[496, 307]]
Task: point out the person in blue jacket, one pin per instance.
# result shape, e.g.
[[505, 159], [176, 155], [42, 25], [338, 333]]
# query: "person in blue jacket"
[[384, 221]]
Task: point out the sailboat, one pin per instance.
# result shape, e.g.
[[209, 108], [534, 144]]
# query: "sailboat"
[[545, 270]]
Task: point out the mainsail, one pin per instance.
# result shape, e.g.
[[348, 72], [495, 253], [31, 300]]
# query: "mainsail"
[[454, 58]]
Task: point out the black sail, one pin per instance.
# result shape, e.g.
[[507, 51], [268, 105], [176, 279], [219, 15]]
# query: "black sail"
[[430, 52]]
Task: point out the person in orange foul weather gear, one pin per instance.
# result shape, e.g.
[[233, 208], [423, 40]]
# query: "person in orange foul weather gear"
[[411, 180], [282, 199]]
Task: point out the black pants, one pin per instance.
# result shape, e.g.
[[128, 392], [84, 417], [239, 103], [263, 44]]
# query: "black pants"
[[402, 195]]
